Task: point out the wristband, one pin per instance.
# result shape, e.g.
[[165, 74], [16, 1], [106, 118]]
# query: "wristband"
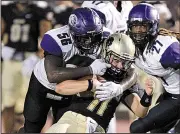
[[90, 85], [146, 100]]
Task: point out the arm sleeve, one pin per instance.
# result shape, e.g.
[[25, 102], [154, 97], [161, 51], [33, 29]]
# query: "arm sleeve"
[[171, 56], [49, 45], [57, 72]]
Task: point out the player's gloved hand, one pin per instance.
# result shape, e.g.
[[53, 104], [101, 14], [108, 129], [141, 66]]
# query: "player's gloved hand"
[[108, 90], [29, 64], [99, 67]]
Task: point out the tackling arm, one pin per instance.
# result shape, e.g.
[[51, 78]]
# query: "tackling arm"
[[57, 72], [71, 87]]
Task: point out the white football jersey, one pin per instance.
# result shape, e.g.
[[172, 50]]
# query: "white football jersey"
[[57, 42], [115, 20], [150, 63]]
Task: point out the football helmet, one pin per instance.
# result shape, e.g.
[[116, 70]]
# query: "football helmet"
[[143, 22], [86, 29], [117, 48]]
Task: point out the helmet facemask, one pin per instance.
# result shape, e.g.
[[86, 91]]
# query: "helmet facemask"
[[119, 64], [142, 36], [88, 43]]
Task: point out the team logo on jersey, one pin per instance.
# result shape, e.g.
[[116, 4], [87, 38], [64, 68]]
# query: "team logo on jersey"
[[73, 19]]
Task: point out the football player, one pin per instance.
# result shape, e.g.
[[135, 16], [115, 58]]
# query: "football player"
[[83, 35], [22, 26], [88, 114], [114, 17], [157, 55]]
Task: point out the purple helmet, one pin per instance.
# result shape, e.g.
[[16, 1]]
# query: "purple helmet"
[[146, 15], [86, 29]]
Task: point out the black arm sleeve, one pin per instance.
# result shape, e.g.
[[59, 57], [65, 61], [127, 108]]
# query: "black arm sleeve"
[[57, 72]]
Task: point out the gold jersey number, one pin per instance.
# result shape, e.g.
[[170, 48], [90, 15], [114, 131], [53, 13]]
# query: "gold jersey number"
[[101, 109]]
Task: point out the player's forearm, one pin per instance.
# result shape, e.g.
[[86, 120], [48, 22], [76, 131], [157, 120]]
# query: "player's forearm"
[[139, 106], [143, 105], [61, 74], [141, 111], [130, 80], [71, 87], [57, 72]]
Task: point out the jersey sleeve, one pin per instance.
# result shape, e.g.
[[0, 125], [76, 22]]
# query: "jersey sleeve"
[[166, 50], [171, 56], [59, 42], [49, 45]]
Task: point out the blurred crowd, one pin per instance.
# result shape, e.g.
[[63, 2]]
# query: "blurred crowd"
[[169, 11]]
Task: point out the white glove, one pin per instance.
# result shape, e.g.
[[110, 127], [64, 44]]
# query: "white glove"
[[108, 90], [29, 64], [99, 67], [7, 52]]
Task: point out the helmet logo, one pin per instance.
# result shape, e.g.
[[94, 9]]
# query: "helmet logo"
[[73, 20], [109, 41]]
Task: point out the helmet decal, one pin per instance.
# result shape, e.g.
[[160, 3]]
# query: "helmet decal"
[[73, 19]]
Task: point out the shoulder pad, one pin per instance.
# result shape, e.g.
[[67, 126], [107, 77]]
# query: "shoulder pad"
[[57, 41]]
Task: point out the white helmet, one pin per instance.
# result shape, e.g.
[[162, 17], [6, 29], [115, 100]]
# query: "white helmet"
[[119, 47]]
